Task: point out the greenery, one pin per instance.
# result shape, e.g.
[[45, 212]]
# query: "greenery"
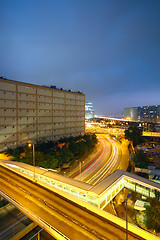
[[50, 154], [140, 159], [3, 203], [15, 153], [134, 134], [152, 216]]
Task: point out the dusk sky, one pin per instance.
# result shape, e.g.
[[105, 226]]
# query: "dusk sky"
[[109, 50]]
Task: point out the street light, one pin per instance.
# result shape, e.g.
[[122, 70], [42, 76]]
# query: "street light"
[[33, 148], [128, 196], [80, 166]]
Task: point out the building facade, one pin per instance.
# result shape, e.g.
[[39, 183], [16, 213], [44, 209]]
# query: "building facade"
[[144, 113], [89, 111], [30, 112]]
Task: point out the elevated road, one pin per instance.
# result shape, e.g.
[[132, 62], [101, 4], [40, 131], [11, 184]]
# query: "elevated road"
[[62, 218]]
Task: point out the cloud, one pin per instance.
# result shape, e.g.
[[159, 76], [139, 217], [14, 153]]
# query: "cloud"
[[105, 49]]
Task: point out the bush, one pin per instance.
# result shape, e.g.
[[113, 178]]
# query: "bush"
[[49, 154]]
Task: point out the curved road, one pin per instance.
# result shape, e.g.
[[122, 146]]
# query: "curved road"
[[109, 159]]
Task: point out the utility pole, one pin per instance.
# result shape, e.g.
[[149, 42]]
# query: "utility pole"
[[80, 166], [128, 196], [33, 154]]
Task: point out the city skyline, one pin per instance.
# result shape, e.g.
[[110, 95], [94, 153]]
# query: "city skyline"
[[109, 50]]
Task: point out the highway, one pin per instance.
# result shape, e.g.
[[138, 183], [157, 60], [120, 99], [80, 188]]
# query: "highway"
[[14, 222], [90, 160], [73, 220], [109, 159]]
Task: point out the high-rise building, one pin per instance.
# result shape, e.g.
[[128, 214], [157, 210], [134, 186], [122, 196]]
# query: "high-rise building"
[[30, 112], [144, 113], [89, 111]]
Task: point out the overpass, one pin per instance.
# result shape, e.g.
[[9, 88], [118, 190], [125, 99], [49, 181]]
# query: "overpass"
[[67, 208]]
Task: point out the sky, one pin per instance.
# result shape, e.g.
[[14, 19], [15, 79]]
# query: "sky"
[[107, 49]]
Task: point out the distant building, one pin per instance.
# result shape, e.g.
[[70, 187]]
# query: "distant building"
[[89, 111], [30, 112], [155, 175], [144, 113]]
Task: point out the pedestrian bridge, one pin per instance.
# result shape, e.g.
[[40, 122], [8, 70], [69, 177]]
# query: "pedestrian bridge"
[[93, 198], [99, 195]]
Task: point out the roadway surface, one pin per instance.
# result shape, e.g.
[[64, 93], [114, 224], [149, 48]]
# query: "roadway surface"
[[111, 156], [14, 222], [11, 223], [72, 220]]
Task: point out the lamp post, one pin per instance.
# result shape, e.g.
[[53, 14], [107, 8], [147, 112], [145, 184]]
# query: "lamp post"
[[33, 154], [80, 167], [128, 196]]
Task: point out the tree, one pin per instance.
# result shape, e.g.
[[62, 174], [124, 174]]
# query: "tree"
[[82, 147], [51, 154], [134, 134], [152, 218], [51, 160], [15, 153], [140, 158], [65, 155]]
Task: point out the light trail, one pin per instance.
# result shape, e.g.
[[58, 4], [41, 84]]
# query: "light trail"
[[105, 170], [89, 163], [97, 163], [106, 163]]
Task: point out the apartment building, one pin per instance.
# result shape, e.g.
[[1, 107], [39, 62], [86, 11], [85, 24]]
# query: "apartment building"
[[30, 112], [143, 113]]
